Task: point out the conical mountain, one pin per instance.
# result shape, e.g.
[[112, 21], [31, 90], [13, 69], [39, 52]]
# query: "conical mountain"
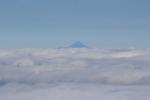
[[78, 44]]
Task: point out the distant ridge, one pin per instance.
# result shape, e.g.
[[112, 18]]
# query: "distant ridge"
[[77, 44]]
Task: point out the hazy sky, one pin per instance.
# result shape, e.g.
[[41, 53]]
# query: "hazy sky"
[[57, 23]]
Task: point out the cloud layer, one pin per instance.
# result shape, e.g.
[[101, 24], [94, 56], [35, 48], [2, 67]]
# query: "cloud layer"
[[75, 65], [68, 73]]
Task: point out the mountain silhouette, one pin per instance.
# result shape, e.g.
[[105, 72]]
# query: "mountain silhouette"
[[77, 44]]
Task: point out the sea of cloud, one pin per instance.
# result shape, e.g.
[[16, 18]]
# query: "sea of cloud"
[[74, 74]]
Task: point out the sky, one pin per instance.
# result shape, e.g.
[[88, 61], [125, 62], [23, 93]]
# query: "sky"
[[58, 23]]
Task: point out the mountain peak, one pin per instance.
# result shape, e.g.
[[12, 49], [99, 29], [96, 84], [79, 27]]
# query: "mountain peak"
[[78, 44]]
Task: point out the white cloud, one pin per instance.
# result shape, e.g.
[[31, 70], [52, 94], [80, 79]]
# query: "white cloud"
[[70, 74]]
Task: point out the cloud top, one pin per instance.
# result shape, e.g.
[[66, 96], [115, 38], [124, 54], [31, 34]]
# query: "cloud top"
[[98, 66]]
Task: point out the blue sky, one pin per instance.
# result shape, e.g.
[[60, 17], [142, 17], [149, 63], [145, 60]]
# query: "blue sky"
[[57, 23]]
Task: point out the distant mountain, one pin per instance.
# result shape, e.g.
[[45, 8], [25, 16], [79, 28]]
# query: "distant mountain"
[[77, 44]]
